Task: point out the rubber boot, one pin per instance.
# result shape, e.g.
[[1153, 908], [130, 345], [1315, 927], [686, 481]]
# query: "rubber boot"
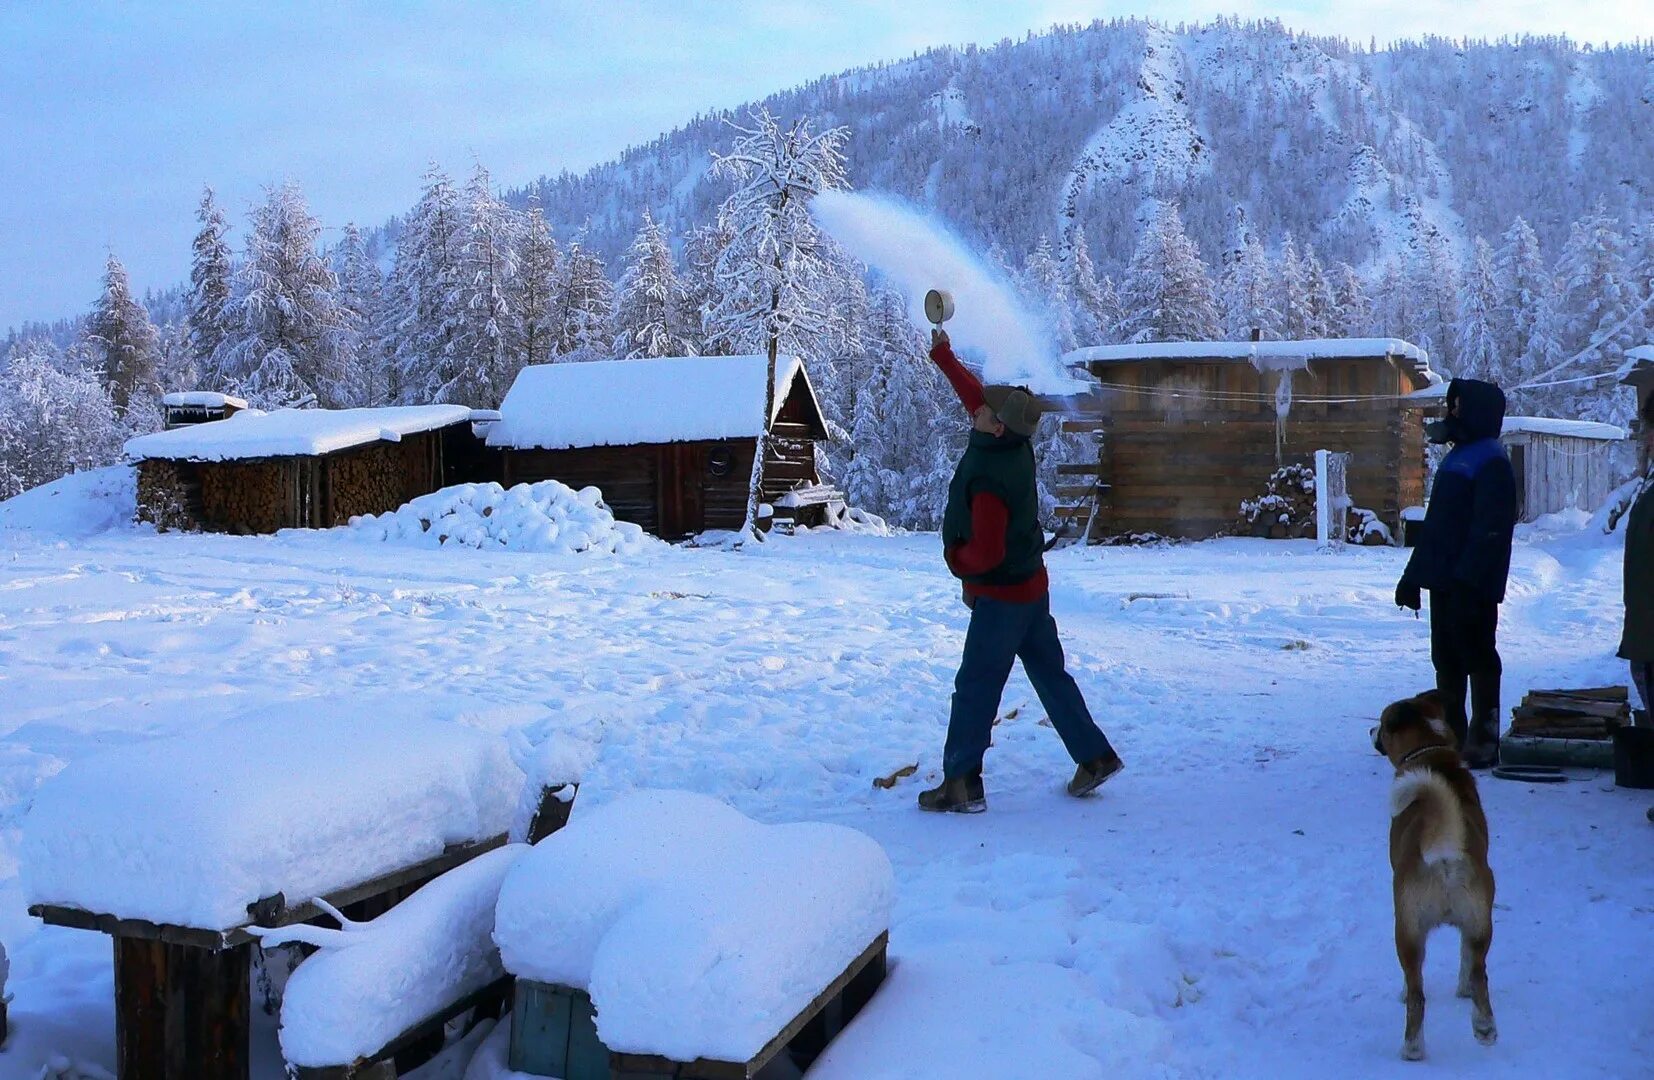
[[1481, 747], [1641, 718]]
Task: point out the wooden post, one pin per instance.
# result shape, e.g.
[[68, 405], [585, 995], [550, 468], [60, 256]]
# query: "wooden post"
[[553, 811], [181, 1011]]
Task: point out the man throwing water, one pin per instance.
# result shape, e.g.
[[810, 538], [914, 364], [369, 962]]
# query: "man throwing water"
[[993, 543]]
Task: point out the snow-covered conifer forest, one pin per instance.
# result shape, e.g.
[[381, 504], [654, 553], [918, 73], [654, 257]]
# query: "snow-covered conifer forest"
[[1488, 201]]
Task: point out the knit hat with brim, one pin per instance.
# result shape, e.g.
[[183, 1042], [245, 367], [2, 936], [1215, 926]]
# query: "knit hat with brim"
[[1015, 407]]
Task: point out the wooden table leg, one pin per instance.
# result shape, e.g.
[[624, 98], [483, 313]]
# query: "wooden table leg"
[[181, 1011]]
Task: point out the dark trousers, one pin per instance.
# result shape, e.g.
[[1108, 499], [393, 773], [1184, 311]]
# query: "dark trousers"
[[1001, 633], [1464, 627], [1642, 677]]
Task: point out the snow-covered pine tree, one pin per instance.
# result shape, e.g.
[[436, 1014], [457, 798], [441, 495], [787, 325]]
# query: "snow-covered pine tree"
[[1595, 286], [1167, 294], [1352, 310], [534, 295], [1522, 281], [648, 313], [1320, 306], [1045, 285], [585, 315], [122, 339], [362, 351], [777, 260], [1476, 345], [1246, 285], [1292, 292], [477, 368], [703, 292], [175, 366], [210, 279], [1639, 259], [1430, 285], [284, 349], [1094, 309], [423, 296], [55, 419]]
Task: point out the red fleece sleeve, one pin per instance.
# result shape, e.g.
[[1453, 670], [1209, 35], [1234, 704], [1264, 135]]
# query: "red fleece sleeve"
[[986, 548], [966, 385]]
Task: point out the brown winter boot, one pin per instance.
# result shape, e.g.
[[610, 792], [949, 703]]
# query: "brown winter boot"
[[961, 795]]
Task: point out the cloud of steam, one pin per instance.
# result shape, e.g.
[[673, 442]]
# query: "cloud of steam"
[[916, 253]]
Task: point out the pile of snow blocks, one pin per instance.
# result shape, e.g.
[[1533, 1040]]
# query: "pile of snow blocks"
[[180, 846], [666, 934]]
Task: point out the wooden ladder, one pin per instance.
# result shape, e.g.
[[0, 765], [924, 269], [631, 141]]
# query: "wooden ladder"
[[1080, 489]]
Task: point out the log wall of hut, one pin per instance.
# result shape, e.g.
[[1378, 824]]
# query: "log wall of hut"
[[375, 478], [1555, 472], [1187, 441], [674, 490]]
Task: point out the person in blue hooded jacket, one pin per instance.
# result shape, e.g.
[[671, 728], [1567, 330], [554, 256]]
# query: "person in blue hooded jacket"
[[1463, 560]]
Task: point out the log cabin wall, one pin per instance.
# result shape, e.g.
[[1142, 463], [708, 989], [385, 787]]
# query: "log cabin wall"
[[628, 476], [1187, 441]]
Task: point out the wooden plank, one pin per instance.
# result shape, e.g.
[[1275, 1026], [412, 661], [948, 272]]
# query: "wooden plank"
[[1074, 426], [208, 1013], [140, 1007], [872, 957], [76, 918], [1085, 468]]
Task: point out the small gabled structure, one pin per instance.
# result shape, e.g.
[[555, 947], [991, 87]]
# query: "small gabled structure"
[[181, 409], [258, 472], [1562, 464], [1190, 429], [669, 441]]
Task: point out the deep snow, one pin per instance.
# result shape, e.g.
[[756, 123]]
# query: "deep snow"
[[1221, 910]]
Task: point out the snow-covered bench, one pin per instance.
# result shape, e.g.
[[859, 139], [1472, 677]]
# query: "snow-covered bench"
[[666, 934], [375, 990], [176, 847]]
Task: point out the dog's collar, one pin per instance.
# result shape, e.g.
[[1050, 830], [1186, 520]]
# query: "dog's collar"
[[1420, 752]]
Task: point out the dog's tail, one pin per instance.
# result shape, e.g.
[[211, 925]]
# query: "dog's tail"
[[1443, 839]]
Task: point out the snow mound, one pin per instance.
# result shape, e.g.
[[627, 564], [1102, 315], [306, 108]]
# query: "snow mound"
[[548, 516], [697, 932], [372, 981], [78, 505], [298, 799]]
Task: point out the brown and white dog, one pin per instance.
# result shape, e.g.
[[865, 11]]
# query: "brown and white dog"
[[1438, 853]]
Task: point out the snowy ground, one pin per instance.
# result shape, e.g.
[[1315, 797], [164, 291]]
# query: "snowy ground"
[[1222, 910]]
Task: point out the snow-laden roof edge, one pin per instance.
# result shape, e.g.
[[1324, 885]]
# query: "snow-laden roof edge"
[[1264, 355], [642, 402], [1573, 429], [252, 433], [201, 399]]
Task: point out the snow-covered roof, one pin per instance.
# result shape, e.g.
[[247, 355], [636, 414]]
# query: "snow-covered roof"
[[1573, 429], [633, 402], [289, 432], [201, 399], [1264, 355]]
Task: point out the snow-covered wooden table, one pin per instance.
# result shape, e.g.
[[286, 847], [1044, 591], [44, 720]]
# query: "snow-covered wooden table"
[[175, 847], [667, 935]]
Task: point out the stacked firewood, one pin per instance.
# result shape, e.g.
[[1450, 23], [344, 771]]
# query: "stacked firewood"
[[166, 496], [376, 479], [1572, 714], [248, 496]]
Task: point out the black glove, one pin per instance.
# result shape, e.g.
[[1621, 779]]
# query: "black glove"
[[1408, 596]]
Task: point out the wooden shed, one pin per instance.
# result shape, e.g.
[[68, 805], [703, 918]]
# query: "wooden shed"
[[670, 442], [1563, 464], [258, 472], [198, 407], [1189, 429]]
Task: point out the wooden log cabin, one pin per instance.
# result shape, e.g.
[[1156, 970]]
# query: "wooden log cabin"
[[670, 441], [258, 472], [1187, 430]]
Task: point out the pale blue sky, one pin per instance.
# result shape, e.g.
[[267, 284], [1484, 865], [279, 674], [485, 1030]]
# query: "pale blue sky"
[[112, 115]]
